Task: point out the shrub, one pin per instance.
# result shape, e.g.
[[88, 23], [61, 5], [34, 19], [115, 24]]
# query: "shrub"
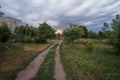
[[90, 46], [27, 39]]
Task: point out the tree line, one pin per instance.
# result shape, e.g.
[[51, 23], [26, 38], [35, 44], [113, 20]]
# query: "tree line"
[[26, 33], [75, 32]]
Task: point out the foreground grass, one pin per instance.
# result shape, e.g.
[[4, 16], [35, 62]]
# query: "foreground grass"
[[16, 56], [79, 64], [46, 71]]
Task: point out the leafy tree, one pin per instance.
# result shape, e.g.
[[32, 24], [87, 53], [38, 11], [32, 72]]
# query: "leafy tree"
[[83, 31], [71, 34], [1, 13], [115, 36], [75, 32], [4, 32], [106, 30], [45, 32], [92, 34], [101, 34], [26, 33]]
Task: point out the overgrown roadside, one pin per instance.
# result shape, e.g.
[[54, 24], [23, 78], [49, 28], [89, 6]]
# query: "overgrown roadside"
[[16, 56], [79, 64]]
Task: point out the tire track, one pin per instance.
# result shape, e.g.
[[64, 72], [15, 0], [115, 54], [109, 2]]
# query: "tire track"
[[59, 71]]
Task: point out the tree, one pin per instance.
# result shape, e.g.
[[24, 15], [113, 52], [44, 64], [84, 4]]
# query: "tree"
[[75, 32], [115, 36], [101, 34], [1, 13], [45, 32], [71, 34], [106, 30], [83, 31], [4, 32], [92, 34], [25, 33]]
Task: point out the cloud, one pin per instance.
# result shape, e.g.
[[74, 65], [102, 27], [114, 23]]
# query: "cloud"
[[59, 13], [82, 8], [88, 23]]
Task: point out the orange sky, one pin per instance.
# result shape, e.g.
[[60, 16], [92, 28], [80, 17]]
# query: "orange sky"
[[58, 31]]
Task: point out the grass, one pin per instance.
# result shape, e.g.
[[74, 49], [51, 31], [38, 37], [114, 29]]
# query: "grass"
[[46, 71], [16, 56], [79, 64]]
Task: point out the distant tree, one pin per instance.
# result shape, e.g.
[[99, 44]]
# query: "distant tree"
[[106, 30], [71, 34], [106, 26], [58, 35], [75, 32], [101, 34], [1, 13], [20, 30], [92, 34], [115, 36], [45, 32], [83, 31], [26, 33], [4, 32]]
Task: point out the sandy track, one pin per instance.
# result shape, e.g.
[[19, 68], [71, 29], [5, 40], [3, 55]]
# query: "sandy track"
[[59, 71], [30, 72]]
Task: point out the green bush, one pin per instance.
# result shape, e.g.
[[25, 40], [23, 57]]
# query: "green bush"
[[27, 39], [90, 46], [40, 39]]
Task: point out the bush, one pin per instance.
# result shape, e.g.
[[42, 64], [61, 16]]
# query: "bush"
[[90, 46], [40, 39], [27, 39]]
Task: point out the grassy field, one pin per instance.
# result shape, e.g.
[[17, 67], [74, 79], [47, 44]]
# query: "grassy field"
[[99, 64], [46, 71], [16, 56]]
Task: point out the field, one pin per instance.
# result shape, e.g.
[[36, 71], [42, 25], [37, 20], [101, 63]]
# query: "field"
[[82, 64], [85, 59], [16, 56]]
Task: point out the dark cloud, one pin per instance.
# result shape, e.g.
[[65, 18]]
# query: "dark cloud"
[[59, 13]]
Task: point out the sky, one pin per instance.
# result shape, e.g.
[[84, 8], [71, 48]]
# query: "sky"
[[59, 13]]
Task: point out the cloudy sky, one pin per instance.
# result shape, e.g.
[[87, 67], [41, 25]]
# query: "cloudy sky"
[[59, 13]]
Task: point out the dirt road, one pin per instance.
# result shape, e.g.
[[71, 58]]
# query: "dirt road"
[[59, 71], [32, 69]]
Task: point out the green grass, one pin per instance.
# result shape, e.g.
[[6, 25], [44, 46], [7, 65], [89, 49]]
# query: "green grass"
[[79, 64], [16, 56], [46, 71]]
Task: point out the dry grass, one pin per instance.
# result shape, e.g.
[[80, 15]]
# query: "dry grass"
[[15, 56]]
